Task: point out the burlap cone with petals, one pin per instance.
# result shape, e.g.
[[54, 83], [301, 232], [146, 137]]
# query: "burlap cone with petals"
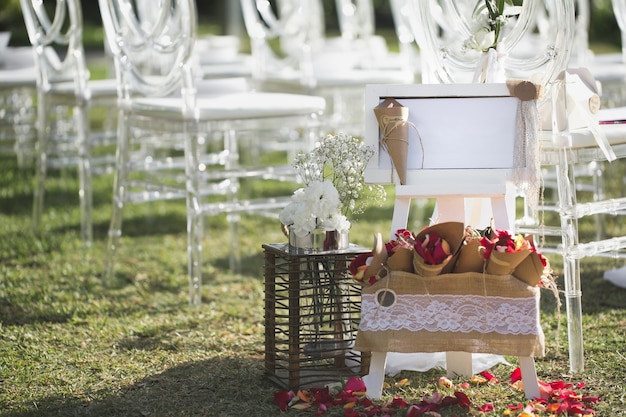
[[423, 269], [451, 232], [401, 260], [530, 269], [504, 263], [393, 119], [470, 257]]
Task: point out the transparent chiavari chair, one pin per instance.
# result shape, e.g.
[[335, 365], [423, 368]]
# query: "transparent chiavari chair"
[[307, 61], [357, 26], [409, 54], [171, 113], [65, 96], [18, 86], [564, 149]]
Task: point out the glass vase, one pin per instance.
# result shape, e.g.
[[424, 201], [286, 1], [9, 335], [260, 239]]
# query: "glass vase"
[[319, 240]]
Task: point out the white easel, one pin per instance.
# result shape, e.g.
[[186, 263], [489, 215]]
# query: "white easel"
[[467, 132]]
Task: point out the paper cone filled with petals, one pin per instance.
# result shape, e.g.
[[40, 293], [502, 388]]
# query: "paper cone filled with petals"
[[435, 248]]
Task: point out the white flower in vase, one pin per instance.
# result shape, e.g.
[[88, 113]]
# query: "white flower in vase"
[[315, 206], [334, 183]]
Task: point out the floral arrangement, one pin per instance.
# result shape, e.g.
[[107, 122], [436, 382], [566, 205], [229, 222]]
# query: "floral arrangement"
[[490, 17], [315, 206], [334, 187]]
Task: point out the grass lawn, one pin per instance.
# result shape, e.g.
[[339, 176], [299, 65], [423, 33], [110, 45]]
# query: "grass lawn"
[[68, 346]]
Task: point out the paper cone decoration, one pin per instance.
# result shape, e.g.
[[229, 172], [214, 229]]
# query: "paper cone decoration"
[[470, 257], [504, 263], [530, 269], [451, 232], [401, 260], [425, 270], [379, 256], [393, 120]]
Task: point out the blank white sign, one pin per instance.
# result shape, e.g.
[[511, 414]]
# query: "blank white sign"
[[459, 133]]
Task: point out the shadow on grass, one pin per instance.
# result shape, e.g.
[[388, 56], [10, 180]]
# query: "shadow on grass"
[[17, 315], [220, 387]]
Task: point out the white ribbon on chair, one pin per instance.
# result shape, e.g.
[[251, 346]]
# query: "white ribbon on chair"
[[579, 104], [490, 68]]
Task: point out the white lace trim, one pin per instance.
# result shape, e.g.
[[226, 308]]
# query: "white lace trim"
[[452, 313]]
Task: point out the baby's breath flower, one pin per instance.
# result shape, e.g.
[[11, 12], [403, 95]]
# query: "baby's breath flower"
[[341, 159]]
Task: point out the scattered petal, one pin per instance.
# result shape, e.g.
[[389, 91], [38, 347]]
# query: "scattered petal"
[[464, 400], [355, 384], [486, 408], [282, 398], [444, 382], [516, 375], [301, 406], [401, 383], [351, 413], [518, 385], [489, 377], [398, 403], [590, 399], [478, 380], [304, 396]]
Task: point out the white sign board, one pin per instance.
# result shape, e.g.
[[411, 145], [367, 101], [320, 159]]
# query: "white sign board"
[[455, 131]]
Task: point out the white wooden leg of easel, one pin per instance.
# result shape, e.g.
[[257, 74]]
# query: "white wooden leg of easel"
[[459, 363], [529, 377], [376, 377], [450, 209], [400, 215], [503, 208], [478, 212]]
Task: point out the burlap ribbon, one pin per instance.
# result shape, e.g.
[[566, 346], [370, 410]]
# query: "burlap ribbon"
[[392, 329]]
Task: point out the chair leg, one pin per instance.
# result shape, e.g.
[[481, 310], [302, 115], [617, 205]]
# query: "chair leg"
[[85, 177], [233, 219], [194, 251], [119, 196], [194, 219], [571, 263], [41, 152]]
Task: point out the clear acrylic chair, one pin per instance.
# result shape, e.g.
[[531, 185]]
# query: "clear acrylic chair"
[[18, 87], [65, 96], [172, 113], [291, 52], [561, 148]]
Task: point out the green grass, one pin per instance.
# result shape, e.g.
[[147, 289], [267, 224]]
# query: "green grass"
[[69, 346]]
